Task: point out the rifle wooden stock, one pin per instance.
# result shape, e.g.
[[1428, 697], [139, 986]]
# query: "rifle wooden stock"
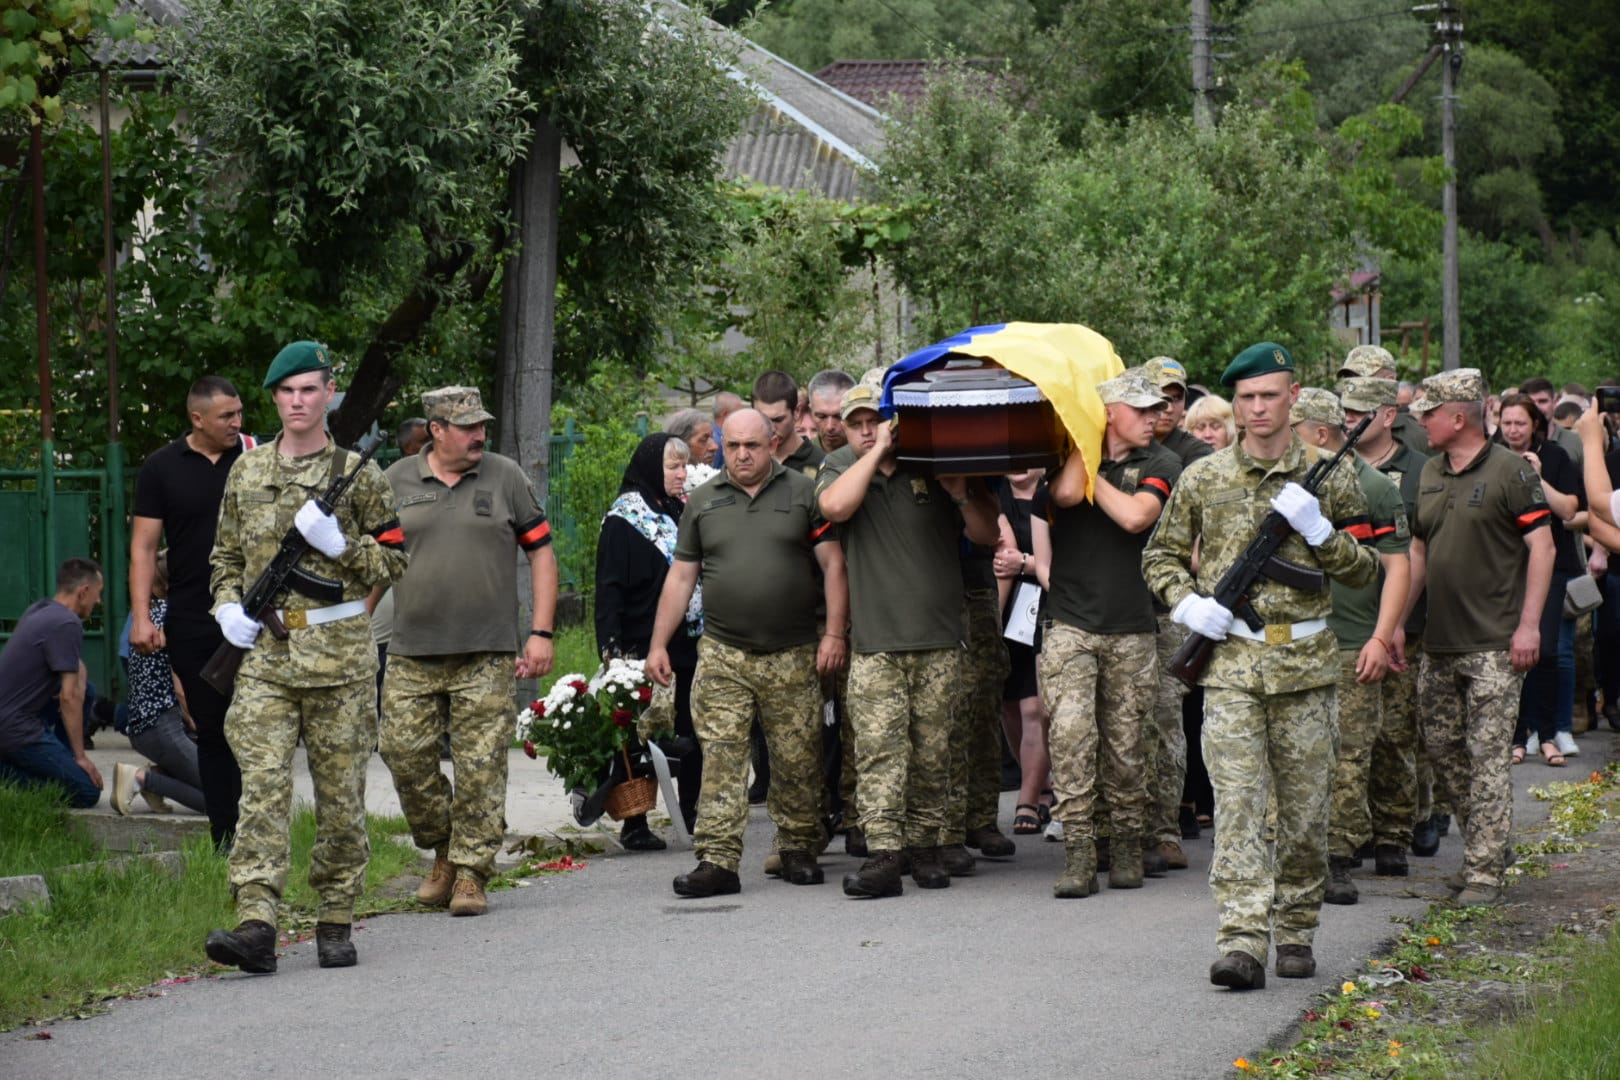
[[220, 671]]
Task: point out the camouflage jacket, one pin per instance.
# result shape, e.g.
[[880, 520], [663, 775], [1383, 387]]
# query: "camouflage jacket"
[[1220, 503], [262, 493]]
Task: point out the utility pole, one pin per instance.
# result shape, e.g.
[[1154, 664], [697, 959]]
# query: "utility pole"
[[1448, 29], [1202, 66]]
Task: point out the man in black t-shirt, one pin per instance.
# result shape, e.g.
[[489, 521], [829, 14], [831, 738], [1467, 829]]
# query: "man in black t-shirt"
[[177, 496]]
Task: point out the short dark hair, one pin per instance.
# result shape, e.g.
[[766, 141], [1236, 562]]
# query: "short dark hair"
[[207, 389], [1566, 410], [1577, 390], [75, 572], [1537, 385], [776, 388], [414, 428]]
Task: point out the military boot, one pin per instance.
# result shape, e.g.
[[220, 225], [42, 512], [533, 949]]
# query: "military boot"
[[855, 842], [926, 869], [1238, 971], [991, 842], [799, 868], [1154, 862], [1442, 822], [707, 879], [251, 947], [332, 945], [1171, 853], [1125, 864], [1389, 860], [1103, 853], [435, 888], [1425, 837], [878, 876], [1079, 877], [957, 860], [1340, 889], [1295, 962]]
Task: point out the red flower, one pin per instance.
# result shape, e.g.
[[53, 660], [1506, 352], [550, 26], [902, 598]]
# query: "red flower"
[[538, 708], [623, 717], [644, 694], [1312, 1014], [580, 686], [528, 748], [1418, 973], [1348, 1025]]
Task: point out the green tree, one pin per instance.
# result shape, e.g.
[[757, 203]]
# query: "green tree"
[[42, 40], [813, 33]]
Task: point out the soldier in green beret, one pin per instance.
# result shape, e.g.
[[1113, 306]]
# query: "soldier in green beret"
[[318, 685], [1269, 698]]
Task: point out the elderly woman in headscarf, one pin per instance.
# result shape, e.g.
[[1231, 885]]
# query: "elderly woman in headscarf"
[[633, 556]]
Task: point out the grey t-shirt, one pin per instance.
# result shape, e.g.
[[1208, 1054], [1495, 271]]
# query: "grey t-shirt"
[[46, 644]]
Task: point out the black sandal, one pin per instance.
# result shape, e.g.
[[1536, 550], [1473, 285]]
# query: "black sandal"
[[1026, 824]]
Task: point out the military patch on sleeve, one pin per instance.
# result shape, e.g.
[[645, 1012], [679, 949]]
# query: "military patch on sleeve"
[[919, 490], [1403, 528], [1130, 479], [1537, 495]]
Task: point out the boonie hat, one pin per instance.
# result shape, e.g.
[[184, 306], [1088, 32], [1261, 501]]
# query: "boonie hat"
[[1132, 387], [1319, 405], [1262, 358], [1463, 384], [860, 396], [459, 405], [1367, 361], [297, 358], [1366, 395]]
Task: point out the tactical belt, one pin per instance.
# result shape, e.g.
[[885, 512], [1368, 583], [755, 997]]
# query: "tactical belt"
[[297, 620], [1278, 633]]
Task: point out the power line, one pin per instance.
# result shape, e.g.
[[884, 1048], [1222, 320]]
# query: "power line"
[[1331, 22]]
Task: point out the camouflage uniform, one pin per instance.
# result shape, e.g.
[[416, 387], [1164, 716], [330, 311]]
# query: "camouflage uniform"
[[1100, 689], [1470, 704], [468, 696], [900, 706], [1360, 710], [973, 798], [1167, 763], [1269, 709], [1393, 779], [319, 685], [732, 686]]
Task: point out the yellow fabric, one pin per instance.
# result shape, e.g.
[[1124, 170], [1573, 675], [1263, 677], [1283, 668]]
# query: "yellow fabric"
[[1067, 361]]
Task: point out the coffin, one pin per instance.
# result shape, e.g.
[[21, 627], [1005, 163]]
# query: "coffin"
[[968, 416]]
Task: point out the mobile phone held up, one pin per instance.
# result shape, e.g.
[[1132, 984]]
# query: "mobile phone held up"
[[1608, 399]]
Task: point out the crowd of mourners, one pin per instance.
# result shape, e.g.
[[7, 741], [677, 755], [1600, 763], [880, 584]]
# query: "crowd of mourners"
[[875, 652]]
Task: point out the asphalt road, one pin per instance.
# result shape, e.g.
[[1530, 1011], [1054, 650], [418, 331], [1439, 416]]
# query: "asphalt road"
[[604, 972]]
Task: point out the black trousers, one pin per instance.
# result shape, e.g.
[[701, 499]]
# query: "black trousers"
[[190, 646]]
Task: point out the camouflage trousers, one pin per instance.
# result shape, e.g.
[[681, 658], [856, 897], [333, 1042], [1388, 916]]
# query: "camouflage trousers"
[[730, 688], [338, 726], [1100, 689], [1470, 705], [973, 797], [1167, 764], [1361, 708], [835, 691], [1392, 784], [470, 697], [1257, 746], [900, 705]]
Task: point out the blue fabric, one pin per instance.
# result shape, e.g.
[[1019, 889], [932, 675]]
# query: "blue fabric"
[[925, 356], [1565, 697], [49, 759]]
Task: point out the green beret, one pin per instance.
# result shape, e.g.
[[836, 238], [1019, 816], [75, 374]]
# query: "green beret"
[[1261, 359], [297, 358]]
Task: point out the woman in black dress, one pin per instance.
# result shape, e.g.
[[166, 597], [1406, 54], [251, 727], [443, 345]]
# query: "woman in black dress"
[[633, 556]]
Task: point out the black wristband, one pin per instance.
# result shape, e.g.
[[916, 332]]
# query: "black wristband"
[[541, 633]]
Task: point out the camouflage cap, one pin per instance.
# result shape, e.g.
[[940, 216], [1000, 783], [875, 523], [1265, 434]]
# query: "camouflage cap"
[[1166, 371], [459, 405], [1133, 387], [1262, 358], [1367, 361], [873, 377], [1361, 394], [1463, 384], [1319, 405], [862, 395], [297, 358]]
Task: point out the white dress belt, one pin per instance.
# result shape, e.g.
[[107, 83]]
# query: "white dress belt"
[[297, 620], [1278, 633]]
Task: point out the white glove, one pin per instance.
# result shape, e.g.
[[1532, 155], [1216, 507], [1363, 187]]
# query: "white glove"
[[1304, 513], [238, 628], [1203, 615], [322, 531]]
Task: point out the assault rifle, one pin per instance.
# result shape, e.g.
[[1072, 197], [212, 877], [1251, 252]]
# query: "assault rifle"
[[282, 574], [1260, 560]]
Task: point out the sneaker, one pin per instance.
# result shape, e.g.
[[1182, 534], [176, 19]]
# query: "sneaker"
[[957, 860], [1295, 962], [878, 876], [799, 868], [1340, 889], [1566, 744], [1053, 831], [468, 899], [251, 947], [707, 879], [332, 945], [991, 842], [156, 803], [123, 787], [436, 887], [1238, 971]]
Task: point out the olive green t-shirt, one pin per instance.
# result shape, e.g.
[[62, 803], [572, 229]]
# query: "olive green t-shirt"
[[1405, 469], [1097, 582], [459, 594], [761, 582], [1387, 530], [1473, 523], [905, 591], [806, 459]]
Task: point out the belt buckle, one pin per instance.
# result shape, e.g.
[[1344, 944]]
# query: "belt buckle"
[[298, 620], [1279, 633]]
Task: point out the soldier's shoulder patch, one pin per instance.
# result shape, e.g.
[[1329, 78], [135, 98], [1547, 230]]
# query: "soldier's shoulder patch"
[[1403, 527]]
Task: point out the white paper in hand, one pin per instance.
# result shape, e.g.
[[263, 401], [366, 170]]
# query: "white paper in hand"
[[1023, 613]]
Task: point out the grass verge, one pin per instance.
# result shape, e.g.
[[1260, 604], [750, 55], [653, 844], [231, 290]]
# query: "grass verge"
[[1565, 1033], [124, 924]]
